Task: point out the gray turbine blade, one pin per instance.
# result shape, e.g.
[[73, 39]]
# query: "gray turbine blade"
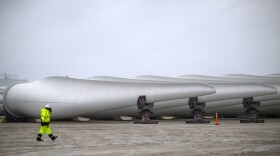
[[75, 97]]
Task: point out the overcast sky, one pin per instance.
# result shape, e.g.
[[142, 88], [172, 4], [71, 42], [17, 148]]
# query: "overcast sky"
[[127, 38]]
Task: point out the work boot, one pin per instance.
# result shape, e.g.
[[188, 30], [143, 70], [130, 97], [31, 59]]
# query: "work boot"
[[52, 137], [39, 137]]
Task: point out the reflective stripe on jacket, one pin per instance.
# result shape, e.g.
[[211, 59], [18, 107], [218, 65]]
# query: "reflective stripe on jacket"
[[45, 115]]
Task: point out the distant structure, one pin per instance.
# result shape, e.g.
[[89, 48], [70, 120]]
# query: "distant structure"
[[9, 79]]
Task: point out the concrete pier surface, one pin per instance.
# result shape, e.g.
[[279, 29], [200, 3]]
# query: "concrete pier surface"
[[169, 137]]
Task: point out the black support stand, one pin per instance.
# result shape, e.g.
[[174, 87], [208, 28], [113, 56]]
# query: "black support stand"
[[197, 111], [145, 109], [251, 109]]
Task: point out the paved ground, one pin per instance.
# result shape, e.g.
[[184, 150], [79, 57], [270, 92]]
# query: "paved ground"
[[124, 138]]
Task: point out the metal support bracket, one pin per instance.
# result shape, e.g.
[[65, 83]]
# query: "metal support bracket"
[[145, 109], [197, 111], [251, 110]]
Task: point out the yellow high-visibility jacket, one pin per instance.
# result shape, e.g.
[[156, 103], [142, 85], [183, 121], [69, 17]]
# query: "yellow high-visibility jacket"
[[45, 115]]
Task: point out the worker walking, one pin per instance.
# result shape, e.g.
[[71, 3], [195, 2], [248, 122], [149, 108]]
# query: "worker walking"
[[45, 123]]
